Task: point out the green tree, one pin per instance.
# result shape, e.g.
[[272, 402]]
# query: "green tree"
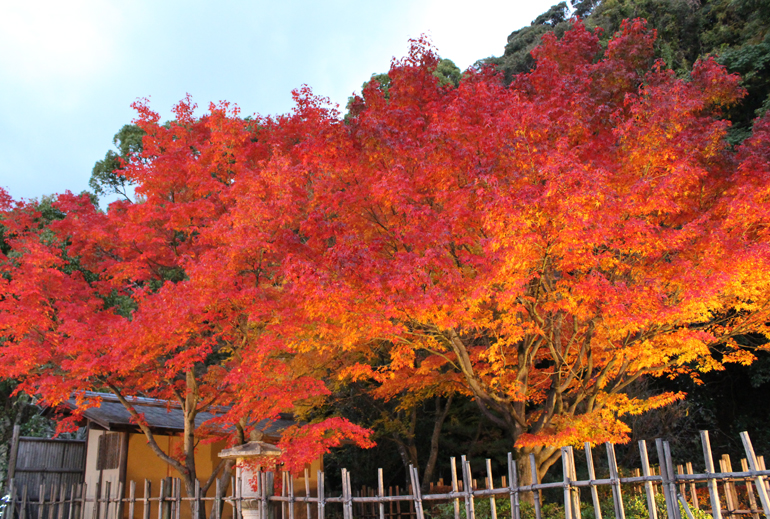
[[107, 176]]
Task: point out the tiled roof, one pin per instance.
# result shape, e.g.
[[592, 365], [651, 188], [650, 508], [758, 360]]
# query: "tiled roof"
[[162, 416]]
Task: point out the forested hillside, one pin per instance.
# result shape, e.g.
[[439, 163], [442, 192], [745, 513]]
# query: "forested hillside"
[[734, 31]]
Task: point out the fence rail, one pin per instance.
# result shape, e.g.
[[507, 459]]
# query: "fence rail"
[[679, 487]]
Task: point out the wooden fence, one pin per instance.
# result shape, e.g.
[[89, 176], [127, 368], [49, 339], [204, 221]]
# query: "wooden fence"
[[41, 465], [724, 493]]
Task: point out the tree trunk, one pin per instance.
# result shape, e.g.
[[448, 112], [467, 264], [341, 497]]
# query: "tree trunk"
[[545, 457], [430, 467]]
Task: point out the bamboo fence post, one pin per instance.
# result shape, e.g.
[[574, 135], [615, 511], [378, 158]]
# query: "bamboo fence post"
[[131, 499], [321, 501], [693, 490], [731, 498], [41, 504], [490, 486], [217, 499], [62, 501], [83, 498], [237, 491], [513, 490], [54, 497], [380, 493], [262, 493], [716, 508], [146, 499], [591, 479], [291, 495], [398, 503], [648, 487], [573, 477], [760, 483], [284, 493], [670, 500], [671, 478], [682, 486], [198, 501], [761, 465], [750, 490], [470, 508], [23, 511], [345, 495], [11, 506], [567, 486], [417, 493], [161, 498], [617, 497], [455, 488], [177, 505], [307, 493], [535, 481]]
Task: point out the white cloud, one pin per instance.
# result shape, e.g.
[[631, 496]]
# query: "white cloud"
[[54, 48]]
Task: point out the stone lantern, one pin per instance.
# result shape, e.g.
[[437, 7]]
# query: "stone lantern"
[[250, 499]]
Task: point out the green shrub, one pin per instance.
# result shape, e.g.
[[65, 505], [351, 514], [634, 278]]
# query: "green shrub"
[[634, 506]]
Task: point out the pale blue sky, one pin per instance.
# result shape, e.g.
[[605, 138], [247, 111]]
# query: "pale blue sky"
[[70, 70]]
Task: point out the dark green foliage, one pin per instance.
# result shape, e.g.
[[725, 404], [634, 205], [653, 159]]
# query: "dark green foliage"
[[448, 73], [106, 177], [735, 31], [517, 58]]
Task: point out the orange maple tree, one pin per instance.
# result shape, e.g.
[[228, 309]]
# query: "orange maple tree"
[[159, 298], [537, 248], [540, 247]]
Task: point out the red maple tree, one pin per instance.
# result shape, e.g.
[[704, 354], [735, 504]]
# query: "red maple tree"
[[540, 247], [158, 298]]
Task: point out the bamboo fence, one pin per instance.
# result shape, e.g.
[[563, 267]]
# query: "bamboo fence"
[[723, 494]]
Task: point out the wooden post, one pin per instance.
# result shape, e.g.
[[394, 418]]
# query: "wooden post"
[[62, 501], [198, 501], [750, 490], [417, 493], [666, 486], [217, 499], [131, 499], [52, 503], [321, 500], [161, 498], [671, 476], [453, 467], [41, 504], [513, 488], [716, 508], [760, 483], [535, 481], [617, 497], [648, 488], [470, 508], [146, 499], [10, 507], [23, 511], [693, 490], [13, 453], [567, 486], [380, 492], [83, 499], [731, 498], [490, 486], [591, 478]]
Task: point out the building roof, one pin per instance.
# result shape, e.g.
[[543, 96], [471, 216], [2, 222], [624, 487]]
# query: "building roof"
[[162, 416]]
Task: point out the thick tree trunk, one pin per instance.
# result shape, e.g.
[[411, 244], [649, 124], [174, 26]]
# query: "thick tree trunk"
[[545, 457]]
